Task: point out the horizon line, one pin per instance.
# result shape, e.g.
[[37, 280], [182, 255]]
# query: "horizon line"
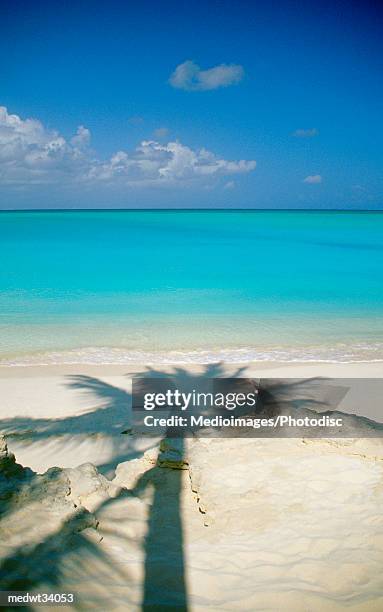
[[250, 210]]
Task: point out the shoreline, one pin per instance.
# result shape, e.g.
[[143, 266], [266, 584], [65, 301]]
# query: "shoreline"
[[185, 355], [359, 369], [334, 352]]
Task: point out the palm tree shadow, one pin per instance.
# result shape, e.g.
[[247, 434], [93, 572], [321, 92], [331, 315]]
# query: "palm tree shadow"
[[165, 580]]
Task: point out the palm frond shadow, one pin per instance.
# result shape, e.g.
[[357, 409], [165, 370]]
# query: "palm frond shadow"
[[302, 398], [68, 551], [67, 557], [108, 418]]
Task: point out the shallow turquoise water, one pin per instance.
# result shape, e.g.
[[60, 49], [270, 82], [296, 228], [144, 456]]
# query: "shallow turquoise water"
[[120, 286]]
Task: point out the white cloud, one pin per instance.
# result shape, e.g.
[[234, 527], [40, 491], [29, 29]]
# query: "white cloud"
[[190, 77], [173, 162], [313, 179], [81, 138], [29, 153], [309, 133]]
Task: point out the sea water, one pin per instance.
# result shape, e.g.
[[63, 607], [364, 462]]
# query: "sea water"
[[190, 286]]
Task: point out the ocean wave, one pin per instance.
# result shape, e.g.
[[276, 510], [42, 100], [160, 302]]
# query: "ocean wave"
[[339, 353]]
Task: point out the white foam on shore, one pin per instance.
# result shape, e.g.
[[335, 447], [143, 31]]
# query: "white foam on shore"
[[338, 353]]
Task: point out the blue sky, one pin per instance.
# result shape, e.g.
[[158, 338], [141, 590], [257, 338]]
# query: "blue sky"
[[238, 104]]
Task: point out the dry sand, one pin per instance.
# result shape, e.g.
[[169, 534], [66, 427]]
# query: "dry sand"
[[249, 524]]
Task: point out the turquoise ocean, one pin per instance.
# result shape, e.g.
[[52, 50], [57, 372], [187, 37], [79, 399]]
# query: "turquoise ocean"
[[190, 286]]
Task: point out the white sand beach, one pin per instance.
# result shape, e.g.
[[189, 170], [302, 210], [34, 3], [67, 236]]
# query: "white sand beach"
[[246, 524]]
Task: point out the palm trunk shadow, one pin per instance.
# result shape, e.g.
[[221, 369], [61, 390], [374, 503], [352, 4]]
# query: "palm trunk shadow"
[[165, 585]]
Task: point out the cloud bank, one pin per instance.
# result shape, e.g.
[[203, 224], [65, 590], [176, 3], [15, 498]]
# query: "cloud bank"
[[190, 77], [32, 154]]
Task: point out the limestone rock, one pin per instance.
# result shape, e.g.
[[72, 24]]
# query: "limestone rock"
[[88, 487], [41, 512]]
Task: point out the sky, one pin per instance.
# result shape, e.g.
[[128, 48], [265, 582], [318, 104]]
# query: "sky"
[[212, 104]]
